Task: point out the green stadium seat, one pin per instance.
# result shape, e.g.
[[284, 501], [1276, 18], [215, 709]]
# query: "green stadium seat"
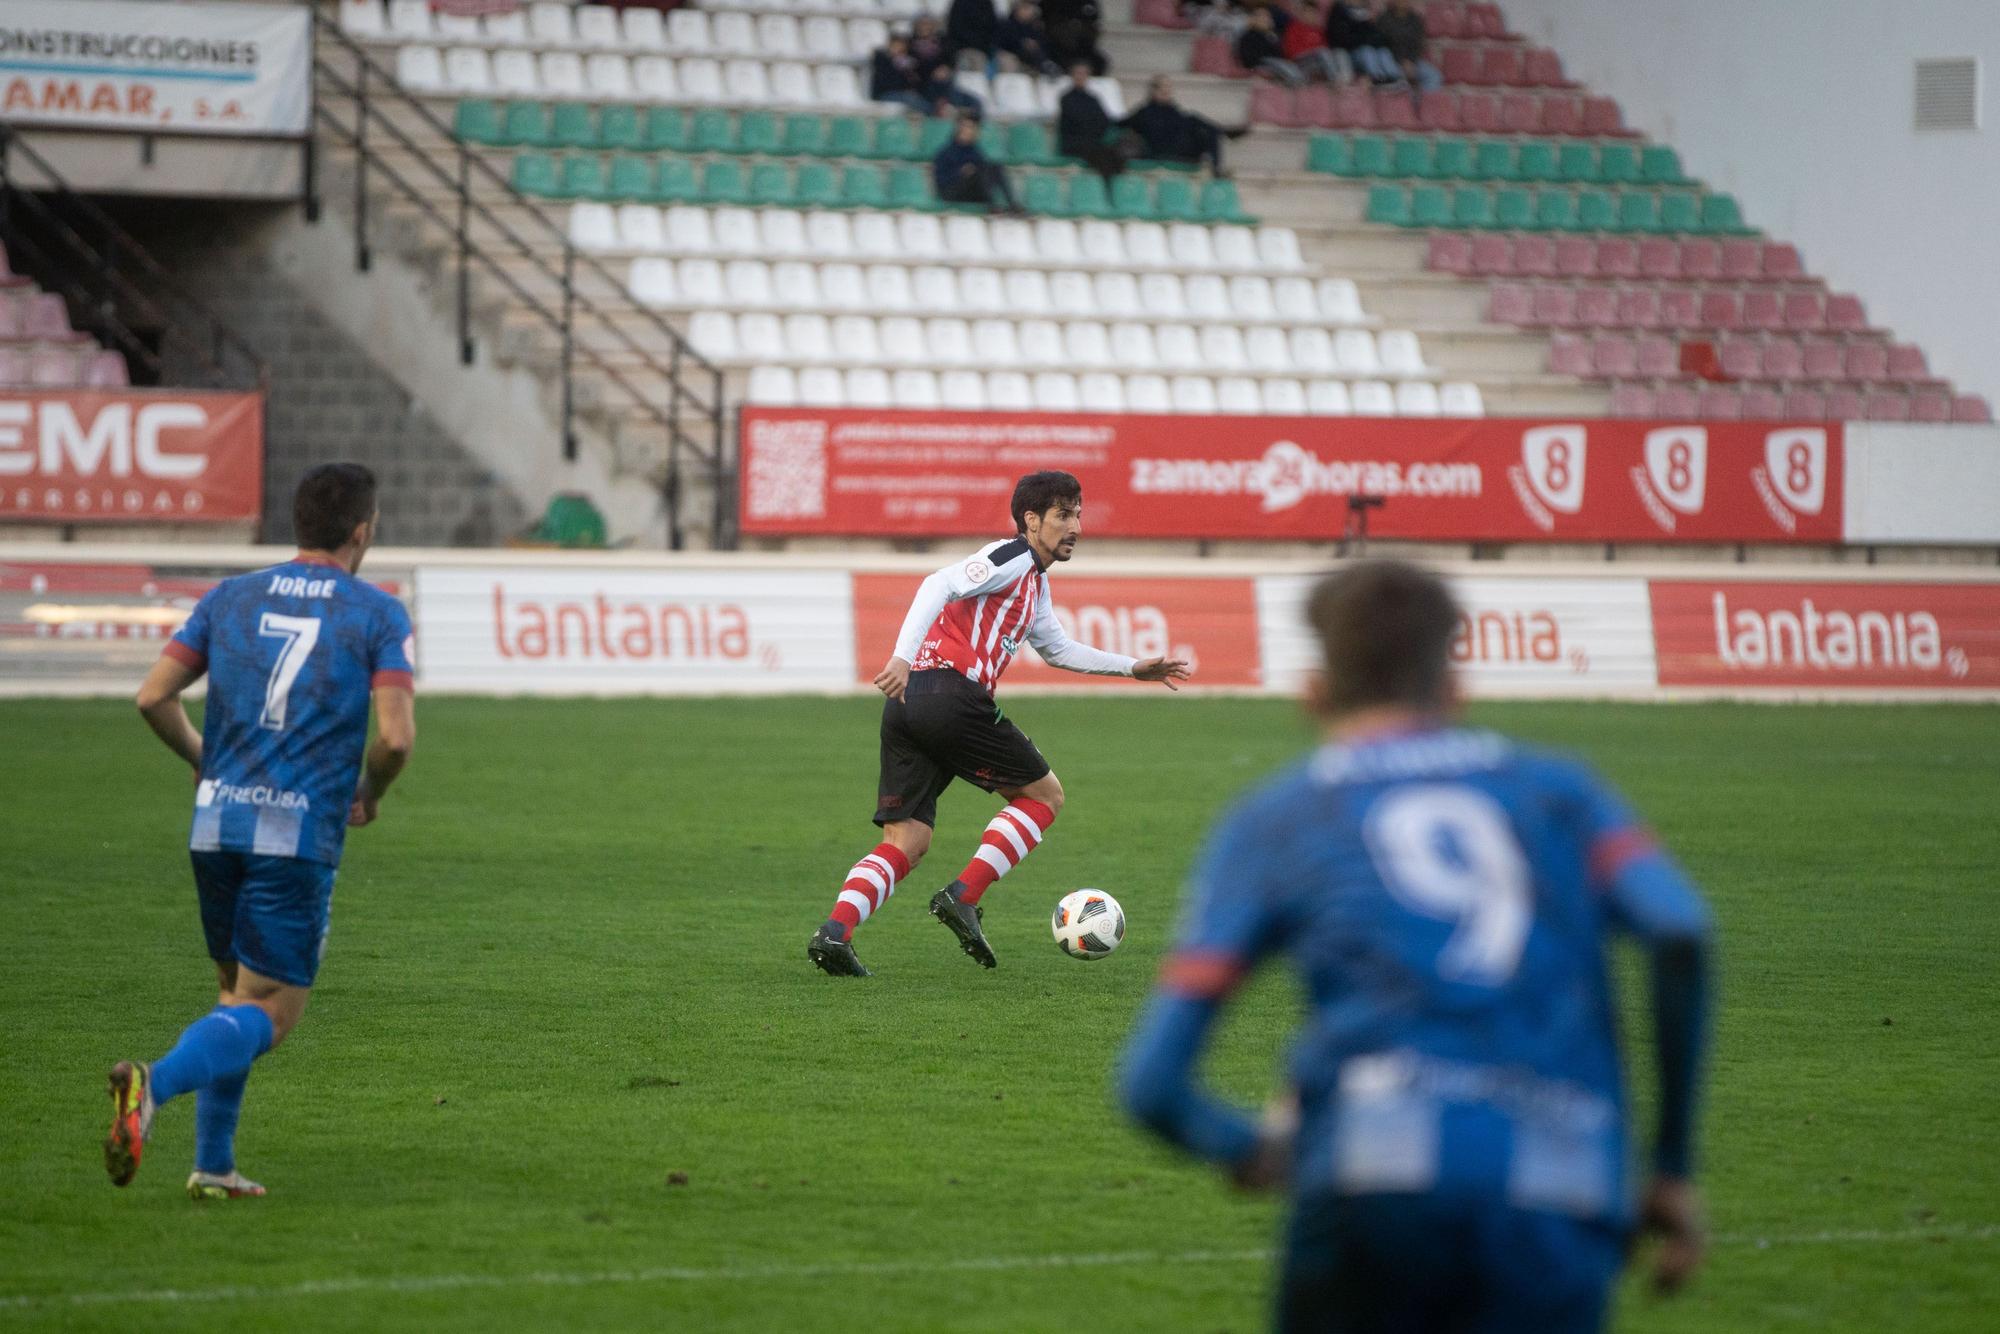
[[1131, 197], [1596, 211], [583, 177], [572, 126], [1555, 211], [1537, 162], [1661, 165], [1514, 208], [535, 174], [759, 132], [1412, 157], [1372, 156], [1638, 211], [477, 121], [1576, 162], [1329, 153], [1472, 206], [714, 131], [1030, 144], [678, 183], [1493, 160], [618, 126], [527, 125], [993, 141], [633, 177], [932, 136], [771, 183], [1618, 164], [1221, 203], [666, 129], [723, 183], [1043, 193], [1088, 197], [895, 137], [1389, 204], [847, 136], [861, 187], [818, 186], [805, 136], [1174, 200], [1452, 160], [1719, 214], [1680, 212], [1430, 206], [910, 187]]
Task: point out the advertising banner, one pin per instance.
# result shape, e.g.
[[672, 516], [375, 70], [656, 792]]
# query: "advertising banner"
[[131, 456], [583, 631], [139, 65], [1827, 635], [877, 473], [1211, 623]]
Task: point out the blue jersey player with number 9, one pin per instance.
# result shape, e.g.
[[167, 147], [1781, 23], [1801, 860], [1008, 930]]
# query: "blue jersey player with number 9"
[[1455, 1145], [294, 655]]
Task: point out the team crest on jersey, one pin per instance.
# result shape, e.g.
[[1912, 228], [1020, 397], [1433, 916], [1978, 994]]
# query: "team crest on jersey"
[[1011, 643], [977, 571]]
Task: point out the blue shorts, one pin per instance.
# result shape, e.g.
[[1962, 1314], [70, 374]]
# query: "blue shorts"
[[267, 913], [1404, 1264]]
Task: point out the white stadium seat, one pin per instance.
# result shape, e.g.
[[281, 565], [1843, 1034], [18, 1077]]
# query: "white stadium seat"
[[549, 24], [1284, 398], [1055, 391], [962, 391], [458, 28], [1085, 343], [995, 344], [1267, 350], [593, 227], [735, 229], [1101, 392], [363, 18], [654, 78], [770, 386], [828, 233], [1116, 295], [920, 236], [700, 80], [949, 341], [1416, 398], [782, 231], [687, 32], [410, 20], [795, 285], [467, 70], [821, 387], [1207, 296], [778, 35], [1372, 398], [1236, 248], [1056, 241], [843, 287], [837, 86], [902, 340], [1222, 348], [688, 230], [936, 288], [1146, 245], [824, 39], [561, 73], [1162, 296], [644, 29], [889, 287], [875, 235], [1009, 390], [508, 29], [1250, 299], [733, 34], [651, 282], [1279, 248], [747, 282], [1355, 349], [608, 77], [1296, 301], [1328, 398], [1190, 246], [597, 25], [760, 337], [1340, 301], [864, 36], [640, 228], [966, 238], [1102, 242], [1193, 393], [868, 387], [792, 84], [713, 333], [746, 82], [701, 282], [855, 336], [1401, 353], [916, 389], [1070, 293], [1041, 342], [1108, 91], [1312, 352], [1028, 291], [1238, 395], [1178, 347], [1013, 240], [1460, 399], [1148, 393], [515, 72], [981, 290], [1132, 346]]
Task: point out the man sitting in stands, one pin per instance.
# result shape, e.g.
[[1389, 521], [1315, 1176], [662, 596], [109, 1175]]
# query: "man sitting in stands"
[[1403, 31], [1022, 36], [1260, 50], [1083, 127], [1174, 135], [965, 175]]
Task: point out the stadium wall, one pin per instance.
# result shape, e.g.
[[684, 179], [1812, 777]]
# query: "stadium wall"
[[1805, 111]]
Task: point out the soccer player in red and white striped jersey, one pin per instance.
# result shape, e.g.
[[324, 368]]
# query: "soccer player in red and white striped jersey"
[[940, 721]]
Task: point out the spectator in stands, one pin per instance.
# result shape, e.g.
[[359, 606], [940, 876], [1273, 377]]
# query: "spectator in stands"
[[1403, 32], [1022, 36], [964, 174], [1083, 127], [937, 68], [1073, 27], [1174, 135], [898, 76], [1302, 34], [1259, 50], [1350, 27], [971, 25]]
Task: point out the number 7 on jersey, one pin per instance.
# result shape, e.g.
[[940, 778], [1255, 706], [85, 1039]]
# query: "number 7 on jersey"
[[300, 633]]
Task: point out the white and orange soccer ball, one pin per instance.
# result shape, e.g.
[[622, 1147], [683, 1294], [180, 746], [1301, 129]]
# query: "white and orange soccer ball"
[[1088, 924]]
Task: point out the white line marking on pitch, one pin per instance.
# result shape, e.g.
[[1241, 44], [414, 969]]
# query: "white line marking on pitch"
[[865, 1269]]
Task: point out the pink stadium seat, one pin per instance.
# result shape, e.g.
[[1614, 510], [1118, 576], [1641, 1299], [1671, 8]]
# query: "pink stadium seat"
[[1354, 108], [1597, 307], [1315, 106], [1659, 357], [1569, 355], [1159, 14], [1450, 252], [1845, 315], [1679, 402], [1907, 363], [1823, 360], [1659, 259], [1701, 261], [1805, 405], [1761, 403], [1680, 308], [1479, 113], [1931, 405], [1719, 310], [1576, 257], [1273, 104], [1440, 112], [1740, 359], [105, 369], [1843, 404], [1511, 303], [1535, 256], [1543, 68], [1554, 306], [1763, 310], [47, 318], [1971, 408], [1485, 21], [13, 367], [1632, 400], [1867, 362], [1742, 261], [1886, 405], [1804, 310], [1614, 356], [12, 311], [1501, 66], [1720, 404], [1617, 258], [1212, 56], [1639, 308], [1497, 252], [1601, 116], [1396, 110], [1443, 19], [1460, 64], [1782, 263], [1520, 113], [1784, 359], [1560, 115], [52, 368]]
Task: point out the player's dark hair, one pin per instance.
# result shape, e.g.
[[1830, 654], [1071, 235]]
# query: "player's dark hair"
[[1385, 630], [332, 500], [1038, 491]]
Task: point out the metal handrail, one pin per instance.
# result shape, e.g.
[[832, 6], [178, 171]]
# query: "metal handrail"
[[682, 363], [175, 313]]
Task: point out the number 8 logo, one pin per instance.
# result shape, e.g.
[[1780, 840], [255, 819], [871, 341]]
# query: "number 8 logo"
[[1448, 852]]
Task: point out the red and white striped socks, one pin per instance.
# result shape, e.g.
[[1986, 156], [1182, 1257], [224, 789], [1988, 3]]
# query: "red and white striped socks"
[[869, 885], [1013, 834]]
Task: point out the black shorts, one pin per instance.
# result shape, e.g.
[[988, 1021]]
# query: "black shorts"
[[946, 728]]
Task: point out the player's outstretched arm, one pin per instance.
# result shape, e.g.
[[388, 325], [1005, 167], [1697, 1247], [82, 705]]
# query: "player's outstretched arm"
[[395, 738], [1169, 672], [1059, 650], [160, 704]]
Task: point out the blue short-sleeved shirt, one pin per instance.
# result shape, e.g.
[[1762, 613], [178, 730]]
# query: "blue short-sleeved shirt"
[[292, 654]]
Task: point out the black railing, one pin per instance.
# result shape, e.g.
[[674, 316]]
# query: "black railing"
[[116, 291], [590, 337]]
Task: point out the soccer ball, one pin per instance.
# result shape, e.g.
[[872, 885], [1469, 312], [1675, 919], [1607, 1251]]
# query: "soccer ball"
[[1088, 924]]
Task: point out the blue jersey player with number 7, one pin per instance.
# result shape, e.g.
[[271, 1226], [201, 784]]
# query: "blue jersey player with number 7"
[[1455, 1145], [282, 766]]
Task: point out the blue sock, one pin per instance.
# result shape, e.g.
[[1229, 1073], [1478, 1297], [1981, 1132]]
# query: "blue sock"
[[220, 1045], [215, 1111]]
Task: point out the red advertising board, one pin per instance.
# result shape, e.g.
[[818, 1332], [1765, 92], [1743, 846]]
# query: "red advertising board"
[[132, 456], [861, 472], [1211, 623], [1863, 635]]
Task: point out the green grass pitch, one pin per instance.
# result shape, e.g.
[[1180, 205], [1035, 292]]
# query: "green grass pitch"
[[568, 966]]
